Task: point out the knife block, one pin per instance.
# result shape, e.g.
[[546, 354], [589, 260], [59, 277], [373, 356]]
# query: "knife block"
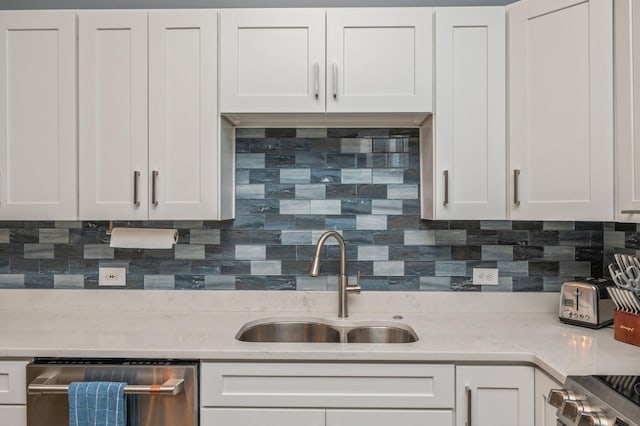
[[626, 327]]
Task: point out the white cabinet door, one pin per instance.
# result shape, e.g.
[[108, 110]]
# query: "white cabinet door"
[[545, 413], [183, 129], [113, 114], [272, 60], [561, 109], [379, 60], [13, 415], [38, 141], [495, 396], [627, 95], [261, 417], [389, 417], [470, 113]]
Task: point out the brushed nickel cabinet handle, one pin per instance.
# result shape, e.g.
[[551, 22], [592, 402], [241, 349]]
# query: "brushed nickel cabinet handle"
[[335, 81], [516, 175], [630, 211], [154, 179], [446, 188], [136, 177], [467, 390], [316, 80]]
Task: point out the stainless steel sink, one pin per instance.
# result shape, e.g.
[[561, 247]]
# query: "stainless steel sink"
[[290, 332], [381, 334], [284, 330]]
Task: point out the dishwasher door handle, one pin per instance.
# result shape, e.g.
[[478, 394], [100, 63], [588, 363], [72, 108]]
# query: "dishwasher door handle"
[[170, 387]]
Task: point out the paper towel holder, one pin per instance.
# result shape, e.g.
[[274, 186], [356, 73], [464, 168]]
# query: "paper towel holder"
[[110, 228]]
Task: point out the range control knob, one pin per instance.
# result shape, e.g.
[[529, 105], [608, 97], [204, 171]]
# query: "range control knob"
[[594, 419], [558, 396], [573, 409]]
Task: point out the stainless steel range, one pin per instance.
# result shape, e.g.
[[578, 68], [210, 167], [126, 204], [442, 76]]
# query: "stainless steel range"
[[598, 401]]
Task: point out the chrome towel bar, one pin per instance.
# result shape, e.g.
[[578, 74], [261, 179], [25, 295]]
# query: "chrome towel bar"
[[170, 387]]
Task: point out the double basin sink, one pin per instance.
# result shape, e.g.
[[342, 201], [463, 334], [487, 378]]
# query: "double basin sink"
[[311, 330]]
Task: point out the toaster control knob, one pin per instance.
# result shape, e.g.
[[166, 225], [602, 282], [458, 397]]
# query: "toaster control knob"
[[558, 396], [587, 317], [574, 409], [593, 419], [568, 314]]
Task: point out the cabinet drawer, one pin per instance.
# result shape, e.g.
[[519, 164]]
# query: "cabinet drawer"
[[327, 385], [12, 382]]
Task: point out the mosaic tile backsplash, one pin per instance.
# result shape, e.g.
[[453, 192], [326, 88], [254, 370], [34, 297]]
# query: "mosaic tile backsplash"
[[291, 186]]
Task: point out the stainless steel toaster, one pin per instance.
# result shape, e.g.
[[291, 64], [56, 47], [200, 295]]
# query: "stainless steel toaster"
[[586, 303]]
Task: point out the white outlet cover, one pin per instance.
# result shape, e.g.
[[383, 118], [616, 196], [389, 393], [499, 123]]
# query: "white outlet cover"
[[485, 276], [113, 277]]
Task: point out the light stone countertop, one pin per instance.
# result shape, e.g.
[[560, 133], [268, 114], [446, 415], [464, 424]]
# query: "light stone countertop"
[[452, 327]]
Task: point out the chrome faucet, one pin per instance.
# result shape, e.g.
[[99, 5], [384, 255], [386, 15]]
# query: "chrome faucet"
[[343, 281]]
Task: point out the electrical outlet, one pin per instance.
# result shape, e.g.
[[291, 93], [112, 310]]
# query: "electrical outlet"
[[116, 277], [485, 276]]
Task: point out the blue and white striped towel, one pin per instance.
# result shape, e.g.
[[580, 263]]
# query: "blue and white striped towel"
[[97, 404]]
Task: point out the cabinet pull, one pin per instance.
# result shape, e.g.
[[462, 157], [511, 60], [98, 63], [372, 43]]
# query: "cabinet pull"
[[446, 188], [516, 198], [630, 211], [154, 199], [136, 177], [335, 81], [467, 390], [316, 80]]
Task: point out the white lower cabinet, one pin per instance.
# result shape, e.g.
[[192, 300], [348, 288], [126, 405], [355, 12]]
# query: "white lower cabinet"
[[545, 413], [13, 415], [494, 395], [320, 417], [389, 417], [261, 417], [326, 394], [367, 394], [13, 393]]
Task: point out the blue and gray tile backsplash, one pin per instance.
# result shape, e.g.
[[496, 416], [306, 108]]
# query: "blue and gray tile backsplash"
[[291, 186]]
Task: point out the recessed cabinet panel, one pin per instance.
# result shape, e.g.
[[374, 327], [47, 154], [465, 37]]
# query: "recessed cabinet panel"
[[113, 114], [561, 110], [627, 95], [469, 121], [183, 160], [495, 395], [37, 116], [272, 60], [379, 60]]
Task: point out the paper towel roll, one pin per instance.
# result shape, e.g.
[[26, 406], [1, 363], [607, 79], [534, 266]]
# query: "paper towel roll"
[[144, 238]]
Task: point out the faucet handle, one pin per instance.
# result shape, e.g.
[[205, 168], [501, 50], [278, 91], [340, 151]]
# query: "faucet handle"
[[355, 288]]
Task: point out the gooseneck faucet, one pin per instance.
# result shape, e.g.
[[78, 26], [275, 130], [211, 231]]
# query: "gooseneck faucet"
[[343, 281]]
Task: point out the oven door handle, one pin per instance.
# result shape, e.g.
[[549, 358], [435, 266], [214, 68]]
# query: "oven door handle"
[[171, 387]]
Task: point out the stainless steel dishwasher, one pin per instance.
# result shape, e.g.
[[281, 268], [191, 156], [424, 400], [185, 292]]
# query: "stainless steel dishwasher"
[[158, 392]]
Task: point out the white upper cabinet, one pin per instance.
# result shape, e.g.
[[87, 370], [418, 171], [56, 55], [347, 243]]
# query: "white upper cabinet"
[[376, 60], [469, 176], [379, 60], [148, 115], [561, 109], [627, 95], [38, 140], [183, 124], [113, 114], [272, 60]]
